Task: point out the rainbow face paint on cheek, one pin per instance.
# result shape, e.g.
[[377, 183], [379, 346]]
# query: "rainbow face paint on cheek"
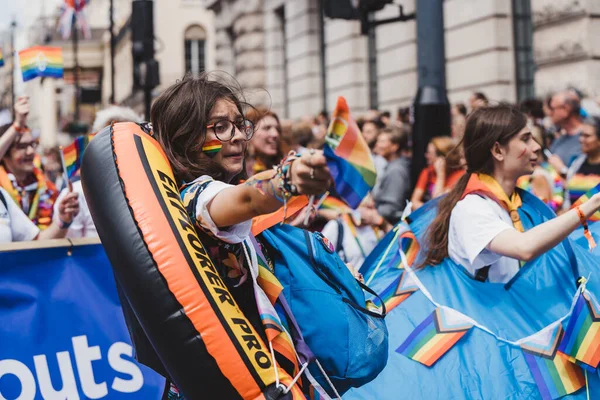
[[522, 154], [212, 147]]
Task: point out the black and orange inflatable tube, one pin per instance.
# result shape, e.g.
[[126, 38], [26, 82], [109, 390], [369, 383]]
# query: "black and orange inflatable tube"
[[182, 311]]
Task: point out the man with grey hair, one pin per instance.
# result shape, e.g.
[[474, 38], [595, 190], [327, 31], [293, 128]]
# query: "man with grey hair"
[[565, 114], [114, 114], [83, 225]]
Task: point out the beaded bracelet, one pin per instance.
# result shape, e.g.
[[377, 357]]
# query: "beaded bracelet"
[[284, 170], [286, 188]]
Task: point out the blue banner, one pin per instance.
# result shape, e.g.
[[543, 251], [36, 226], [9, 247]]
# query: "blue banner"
[[62, 332]]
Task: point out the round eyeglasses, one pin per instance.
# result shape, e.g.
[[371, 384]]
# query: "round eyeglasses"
[[25, 145], [224, 129]]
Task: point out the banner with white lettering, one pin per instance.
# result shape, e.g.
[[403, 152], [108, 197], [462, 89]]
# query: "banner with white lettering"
[[62, 332]]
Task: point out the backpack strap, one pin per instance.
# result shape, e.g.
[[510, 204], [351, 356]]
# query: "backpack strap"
[[339, 246], [3, 200]]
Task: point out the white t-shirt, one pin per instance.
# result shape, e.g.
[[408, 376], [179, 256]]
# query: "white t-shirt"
[[232, 234], [15, 226], [474, 222], [83, 225]]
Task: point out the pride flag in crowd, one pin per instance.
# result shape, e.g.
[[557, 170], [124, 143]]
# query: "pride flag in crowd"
[[1, 59], [332, 203], [348, 157], [73, 154], [41, 61]]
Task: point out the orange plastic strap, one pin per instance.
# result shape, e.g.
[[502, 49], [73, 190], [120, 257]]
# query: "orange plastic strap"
[[586, 230]]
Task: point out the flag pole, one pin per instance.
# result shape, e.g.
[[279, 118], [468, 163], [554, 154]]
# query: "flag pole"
[[64, 167]]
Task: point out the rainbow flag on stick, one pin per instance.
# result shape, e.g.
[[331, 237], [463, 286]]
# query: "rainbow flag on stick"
[[582, 336], [73, 154], [41, 61], [585, 197], [435, 336], [348, 157], [1, 59]]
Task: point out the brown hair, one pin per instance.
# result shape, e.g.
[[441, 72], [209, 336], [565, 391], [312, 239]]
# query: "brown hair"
[[447, 148], [485, 127], [398, 136], [179, 118]]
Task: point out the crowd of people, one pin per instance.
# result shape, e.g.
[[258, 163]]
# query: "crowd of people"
[[236, 162], [43, 205]]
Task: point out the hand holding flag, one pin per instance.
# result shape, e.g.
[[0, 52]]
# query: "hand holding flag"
[[71, 157]]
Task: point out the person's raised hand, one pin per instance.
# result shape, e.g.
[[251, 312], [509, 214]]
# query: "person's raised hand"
[[310, 173], [21, 111], [439, 165]]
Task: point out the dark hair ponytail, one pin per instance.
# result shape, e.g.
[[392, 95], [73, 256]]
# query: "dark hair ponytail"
[[485, 127], [437, 235]]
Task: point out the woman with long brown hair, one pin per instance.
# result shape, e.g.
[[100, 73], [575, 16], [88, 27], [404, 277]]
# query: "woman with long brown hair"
[[477, 223]]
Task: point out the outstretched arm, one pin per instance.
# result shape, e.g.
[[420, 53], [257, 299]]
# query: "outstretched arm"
[[264, 193], [528, 245]]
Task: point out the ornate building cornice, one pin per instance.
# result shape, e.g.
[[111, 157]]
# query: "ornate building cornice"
[[555, 13], [566, 51]]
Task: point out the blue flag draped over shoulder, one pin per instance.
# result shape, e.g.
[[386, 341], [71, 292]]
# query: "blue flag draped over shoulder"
[[512, 350], [62, 333]]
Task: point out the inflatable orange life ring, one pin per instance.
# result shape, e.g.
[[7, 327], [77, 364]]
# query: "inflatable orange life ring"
[[168, 284]]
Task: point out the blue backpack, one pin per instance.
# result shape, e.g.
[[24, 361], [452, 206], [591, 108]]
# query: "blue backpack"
[[348, 339]]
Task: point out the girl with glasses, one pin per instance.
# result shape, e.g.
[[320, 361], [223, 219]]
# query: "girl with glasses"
[[201, 125]]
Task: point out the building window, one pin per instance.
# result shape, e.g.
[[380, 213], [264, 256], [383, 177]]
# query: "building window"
[[195, 39], [524, 61]]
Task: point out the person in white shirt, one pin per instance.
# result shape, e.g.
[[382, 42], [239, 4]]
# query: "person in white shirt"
[[15, 226], [477, 224]]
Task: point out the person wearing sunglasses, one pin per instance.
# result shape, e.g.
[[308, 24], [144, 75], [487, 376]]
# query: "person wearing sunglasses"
[[202, 127], [28, 197]]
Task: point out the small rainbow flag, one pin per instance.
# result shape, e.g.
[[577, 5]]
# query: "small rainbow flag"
[[1, 59], [585, 197], [582, 336], [73, 154], [398, 291], [212, 147], [554, 374], [348, 157], [41, 61], [435, 336], [555, 377]]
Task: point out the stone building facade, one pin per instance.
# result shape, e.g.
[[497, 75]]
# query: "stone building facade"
[[304, 62]]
